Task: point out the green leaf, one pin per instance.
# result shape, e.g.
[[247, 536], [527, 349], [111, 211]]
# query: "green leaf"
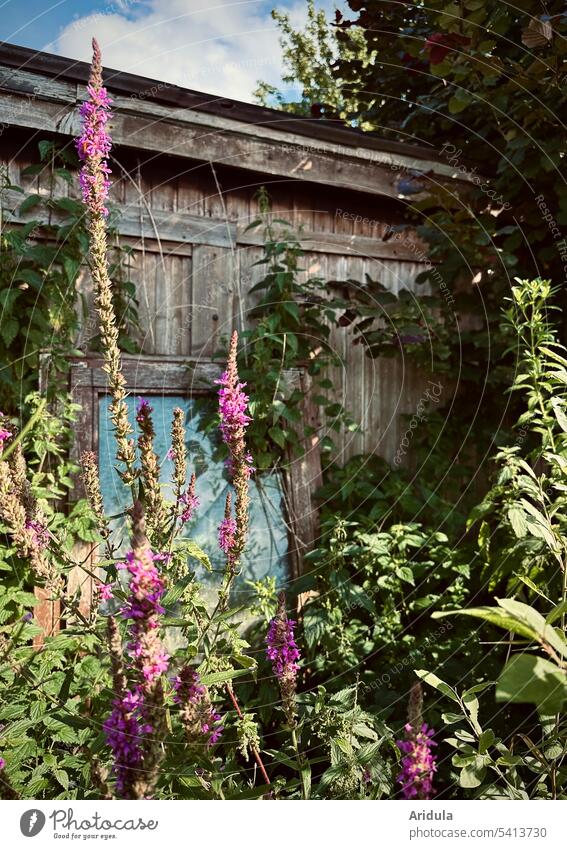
[[29, 203], [278, 435], [244, 661], [221, 677], [472, 705], [559, 410], [517, 519], [485, 740], [62, 777], [556, 613], [437, 683], [451, 718], [532, 679], [8, 330], [493, 615], [526, 614], [473, 774], [253, 224], [174, 594], [293, 309], [194, 550], [406, 574]]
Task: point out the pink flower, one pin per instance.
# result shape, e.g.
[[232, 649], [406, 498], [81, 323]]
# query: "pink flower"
[[283, 652], [2, 763], [227, 530], [189, 501], [132, 718], [143, 410], [419, 762], [197, 714], [104, 591], [38, 533], [234, 418], [94, 143], [144, 609]]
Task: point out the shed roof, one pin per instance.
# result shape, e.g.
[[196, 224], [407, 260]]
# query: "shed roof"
[[41, 90]]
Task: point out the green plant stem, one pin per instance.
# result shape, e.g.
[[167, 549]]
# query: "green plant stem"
[[253, 748], [28, 425], [300, 758]]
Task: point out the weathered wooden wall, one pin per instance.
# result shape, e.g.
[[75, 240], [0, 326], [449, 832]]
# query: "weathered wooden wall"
[[193, 265]]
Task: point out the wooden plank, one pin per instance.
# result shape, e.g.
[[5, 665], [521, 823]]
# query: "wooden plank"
[[172, 305], [146, 373], [147, 268], [46, 615], [190, 192], [291, 132], [181, 281], [179, 229], [212, 303], [302, 478], [185, 134], [162, 320], [250, 274]]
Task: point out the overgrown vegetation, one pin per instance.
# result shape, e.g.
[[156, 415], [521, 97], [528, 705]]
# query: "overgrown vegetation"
[[181, 698], [43, 244]]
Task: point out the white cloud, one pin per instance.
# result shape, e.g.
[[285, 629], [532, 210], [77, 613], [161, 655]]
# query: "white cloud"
[[220, 48]]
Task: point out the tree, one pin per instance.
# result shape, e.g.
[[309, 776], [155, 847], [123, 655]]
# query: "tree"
[[311, 56], [480, 83]]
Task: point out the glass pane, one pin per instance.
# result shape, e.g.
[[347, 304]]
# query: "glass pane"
[[266, 552]]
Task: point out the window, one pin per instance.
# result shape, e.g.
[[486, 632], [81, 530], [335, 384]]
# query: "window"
[[266, 551], [283, 521]]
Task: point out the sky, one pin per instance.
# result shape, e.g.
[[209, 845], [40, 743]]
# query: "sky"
[[220, 47]]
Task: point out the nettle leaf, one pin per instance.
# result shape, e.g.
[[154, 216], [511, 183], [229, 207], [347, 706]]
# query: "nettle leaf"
[[190, 548], [14, 711], [517, 519], [29, 203], [8, 330], [532, 679], [405, 574], [315, 624]]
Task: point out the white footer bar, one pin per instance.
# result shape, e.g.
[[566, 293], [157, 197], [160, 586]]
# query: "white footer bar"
[[282, 825]]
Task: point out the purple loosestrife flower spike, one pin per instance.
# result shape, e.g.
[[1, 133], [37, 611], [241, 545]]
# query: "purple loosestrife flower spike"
[[199, 718], [94, 143], [38, 533], [419, 763], [284, 654], [227, 528], [188, 501], [135, 727], [143, 608], [93, 146], [22, 517], [122, 728], [155, 507], [234, 419]]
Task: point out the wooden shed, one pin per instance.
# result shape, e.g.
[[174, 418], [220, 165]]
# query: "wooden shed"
[[186, 169]]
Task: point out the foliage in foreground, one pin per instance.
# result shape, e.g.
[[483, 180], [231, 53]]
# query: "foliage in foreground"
[[150, 702]]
